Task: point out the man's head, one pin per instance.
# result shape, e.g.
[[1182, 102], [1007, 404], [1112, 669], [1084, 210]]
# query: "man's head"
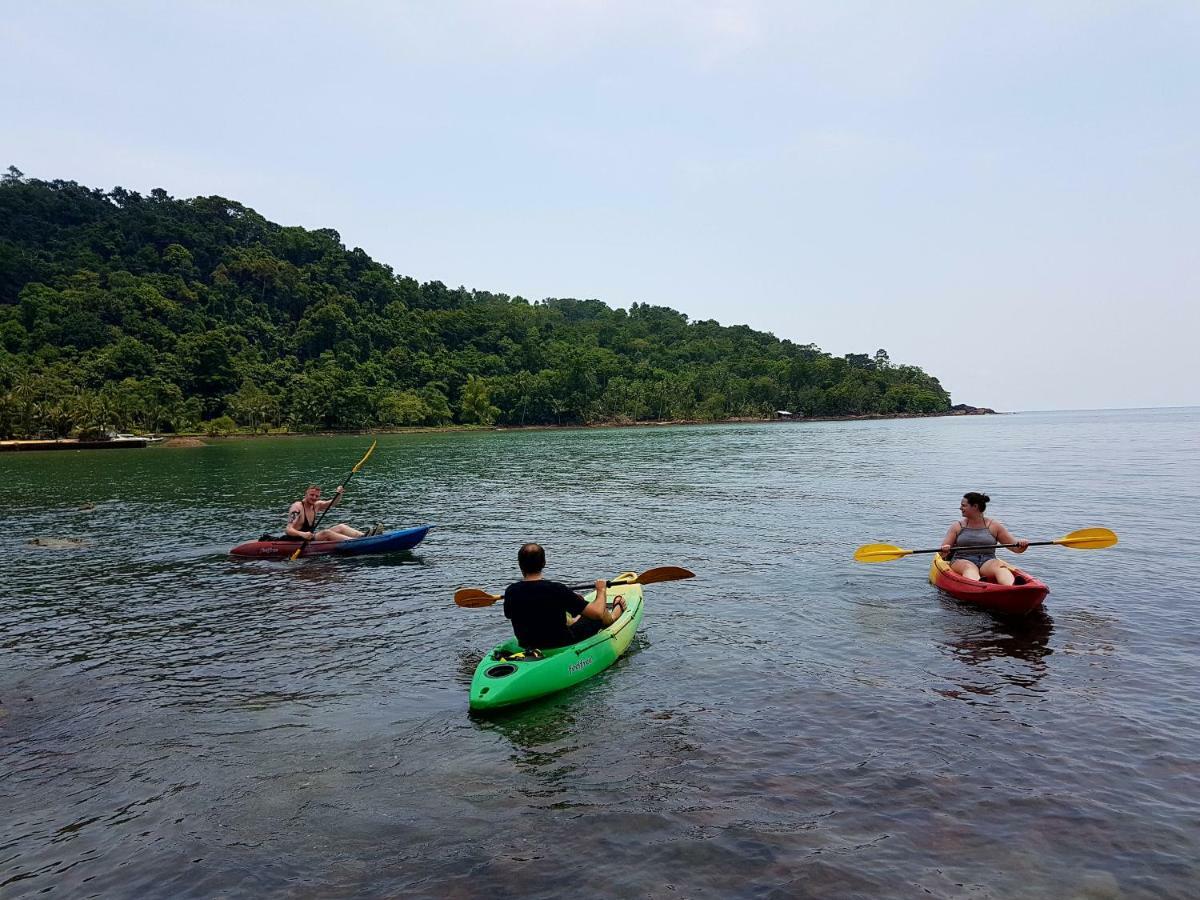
[[313, 494], [531, 558]]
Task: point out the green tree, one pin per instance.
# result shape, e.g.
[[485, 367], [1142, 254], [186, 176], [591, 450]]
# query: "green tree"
[[253, 406], [222, 425], [475, 404], [402, 408], [177, 311], [437, 405]]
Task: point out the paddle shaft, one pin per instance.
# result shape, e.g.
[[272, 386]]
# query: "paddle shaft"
[[592, 584], [474, 598], [657, 575], [973, 549], [1083, 539]]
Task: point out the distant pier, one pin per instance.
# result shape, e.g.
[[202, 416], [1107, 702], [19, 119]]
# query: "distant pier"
[[73, 444]]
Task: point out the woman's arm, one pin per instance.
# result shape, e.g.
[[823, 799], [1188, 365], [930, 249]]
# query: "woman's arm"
[[949, 539], [1004, 536]]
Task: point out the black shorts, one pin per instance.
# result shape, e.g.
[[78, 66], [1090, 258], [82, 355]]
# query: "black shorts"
[[584, 628]]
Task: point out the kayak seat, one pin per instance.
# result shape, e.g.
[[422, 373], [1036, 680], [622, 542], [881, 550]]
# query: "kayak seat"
[[501, 656]]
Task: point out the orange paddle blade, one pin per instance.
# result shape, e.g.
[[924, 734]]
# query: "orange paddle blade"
[[473, 598], [664, 573]]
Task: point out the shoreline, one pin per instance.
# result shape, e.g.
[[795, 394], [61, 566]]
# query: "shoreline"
[[200, 439], [194, 439]]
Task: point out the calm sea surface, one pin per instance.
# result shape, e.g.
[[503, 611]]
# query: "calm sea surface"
[[178, 723]]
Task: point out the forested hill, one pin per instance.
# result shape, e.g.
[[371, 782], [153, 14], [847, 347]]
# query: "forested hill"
[[127, 312]]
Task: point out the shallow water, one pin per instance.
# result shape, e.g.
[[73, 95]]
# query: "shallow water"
[[179, 723]]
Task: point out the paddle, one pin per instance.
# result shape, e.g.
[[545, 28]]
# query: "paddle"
[[345, 481], [474, 598], [1084, 539]]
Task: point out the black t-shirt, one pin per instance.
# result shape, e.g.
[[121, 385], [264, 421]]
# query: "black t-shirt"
[[538, 610]]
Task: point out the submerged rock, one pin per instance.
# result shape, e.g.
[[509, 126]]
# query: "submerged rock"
[[55, 543], [1096, 884]]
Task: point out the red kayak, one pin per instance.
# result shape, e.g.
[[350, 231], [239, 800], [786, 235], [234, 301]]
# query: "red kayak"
[[1025, 595], [388, 542]]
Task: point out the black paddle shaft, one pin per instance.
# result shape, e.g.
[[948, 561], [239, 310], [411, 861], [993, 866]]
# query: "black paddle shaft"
[[970, 549], [592, 584]]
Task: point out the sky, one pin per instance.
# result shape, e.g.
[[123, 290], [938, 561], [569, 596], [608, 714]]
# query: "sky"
[[1006, 194]]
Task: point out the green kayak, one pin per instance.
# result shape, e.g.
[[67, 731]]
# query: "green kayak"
[[508, 676]]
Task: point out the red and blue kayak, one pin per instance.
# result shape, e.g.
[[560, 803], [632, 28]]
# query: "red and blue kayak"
[[1023, 596], [388, 542]]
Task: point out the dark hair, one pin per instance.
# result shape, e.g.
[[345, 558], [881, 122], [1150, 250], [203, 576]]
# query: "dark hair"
[[976, 499], [531, 558]]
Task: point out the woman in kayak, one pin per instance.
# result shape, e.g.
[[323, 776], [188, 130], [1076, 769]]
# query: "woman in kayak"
[[302, 518], [539, 608], [971, 542]]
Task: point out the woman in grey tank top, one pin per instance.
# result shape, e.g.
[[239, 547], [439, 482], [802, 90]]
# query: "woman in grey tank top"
[[971, 541]]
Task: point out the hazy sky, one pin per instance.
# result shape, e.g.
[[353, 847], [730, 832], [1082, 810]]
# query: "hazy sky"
[[1006, 194]]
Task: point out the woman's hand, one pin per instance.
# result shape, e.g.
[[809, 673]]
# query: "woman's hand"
[[1022, 545], [945, 550]]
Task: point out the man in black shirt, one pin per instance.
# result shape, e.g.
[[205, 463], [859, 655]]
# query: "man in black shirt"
[[538, 608]]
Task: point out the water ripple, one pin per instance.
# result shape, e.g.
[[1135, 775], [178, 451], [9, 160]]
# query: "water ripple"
[[176, 723]]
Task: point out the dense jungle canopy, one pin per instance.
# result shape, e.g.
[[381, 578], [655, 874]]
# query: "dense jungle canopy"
[[127, 312]]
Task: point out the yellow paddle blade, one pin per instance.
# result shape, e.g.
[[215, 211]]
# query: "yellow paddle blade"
[[1088, 539], [877, 553], [365, 458], [473, 598]]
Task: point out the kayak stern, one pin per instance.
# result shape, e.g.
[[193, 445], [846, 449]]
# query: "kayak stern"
[[1026, 595]]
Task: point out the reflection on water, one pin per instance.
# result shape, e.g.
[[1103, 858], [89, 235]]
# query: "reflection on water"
[[386, 561], [540, 733], [1001, 652], [325, 566], [1025, 638]]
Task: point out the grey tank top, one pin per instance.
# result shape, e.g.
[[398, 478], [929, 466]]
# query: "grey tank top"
[[970, 538]]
